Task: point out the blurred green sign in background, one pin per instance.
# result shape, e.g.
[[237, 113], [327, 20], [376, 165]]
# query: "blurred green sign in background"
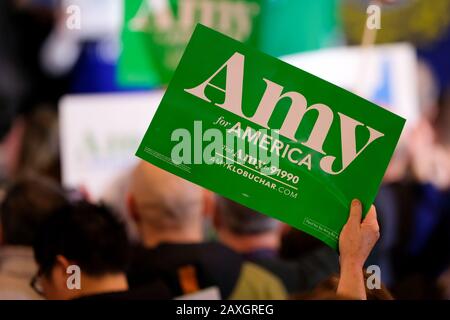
[[155, 32]]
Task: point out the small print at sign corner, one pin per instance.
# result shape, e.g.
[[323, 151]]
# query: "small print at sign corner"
[[270, 136]]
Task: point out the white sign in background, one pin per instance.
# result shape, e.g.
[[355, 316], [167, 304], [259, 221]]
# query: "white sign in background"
[[384, 74], [99, 135]]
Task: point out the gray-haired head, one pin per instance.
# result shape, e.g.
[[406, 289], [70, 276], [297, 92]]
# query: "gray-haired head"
[[241, 220], [164, 200]]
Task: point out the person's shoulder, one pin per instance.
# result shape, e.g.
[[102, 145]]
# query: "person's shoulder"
[[256, 282], [183, 251]]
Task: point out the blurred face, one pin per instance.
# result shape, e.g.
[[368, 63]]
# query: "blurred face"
[[10, 149], [440, 176]]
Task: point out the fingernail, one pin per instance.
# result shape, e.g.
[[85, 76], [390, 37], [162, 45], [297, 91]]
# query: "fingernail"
[[355, 203]]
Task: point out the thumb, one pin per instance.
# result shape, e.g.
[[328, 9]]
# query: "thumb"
[[371, 217], [355, 213]]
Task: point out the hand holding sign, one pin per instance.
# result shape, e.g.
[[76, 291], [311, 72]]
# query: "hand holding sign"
[[357, 238], [356, 241]]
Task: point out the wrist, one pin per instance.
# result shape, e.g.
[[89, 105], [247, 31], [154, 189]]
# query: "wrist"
[[351, 281], [351, 264]]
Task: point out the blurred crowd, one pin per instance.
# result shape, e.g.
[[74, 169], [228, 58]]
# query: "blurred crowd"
[[186, 239]]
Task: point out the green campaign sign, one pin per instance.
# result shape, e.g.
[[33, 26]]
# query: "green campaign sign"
[[270, 136], [135, 66]]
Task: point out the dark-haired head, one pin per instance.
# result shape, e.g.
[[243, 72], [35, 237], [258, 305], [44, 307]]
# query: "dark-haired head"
[[81, 234], [241, 220], [87, 234], [27, 203], [245, 230]]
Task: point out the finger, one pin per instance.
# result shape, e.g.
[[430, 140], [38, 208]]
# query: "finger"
[[355, 212]]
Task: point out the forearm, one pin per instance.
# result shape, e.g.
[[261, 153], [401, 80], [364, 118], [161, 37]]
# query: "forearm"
[[351, 283]]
